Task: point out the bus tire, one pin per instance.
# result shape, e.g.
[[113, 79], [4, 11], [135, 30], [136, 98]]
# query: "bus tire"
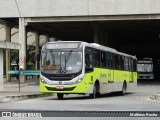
[[123, 92], [93, 95], [60, 96]]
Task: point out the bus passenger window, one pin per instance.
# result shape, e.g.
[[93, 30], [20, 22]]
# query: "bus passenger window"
[[103, 59], [126, 64], [97, 61], [88, 60]]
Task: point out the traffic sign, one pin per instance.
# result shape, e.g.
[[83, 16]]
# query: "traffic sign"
[[21, 60], [13, 72], [24, 72], [30, 72]]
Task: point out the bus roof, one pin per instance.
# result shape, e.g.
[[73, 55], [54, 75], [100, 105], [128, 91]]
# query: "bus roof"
[[98, 46], [101, 47]]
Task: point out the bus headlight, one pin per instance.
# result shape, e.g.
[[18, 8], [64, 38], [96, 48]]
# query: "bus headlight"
[[79, 80], [43, 81]]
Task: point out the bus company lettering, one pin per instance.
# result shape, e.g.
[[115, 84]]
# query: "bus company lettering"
[[103, 75]]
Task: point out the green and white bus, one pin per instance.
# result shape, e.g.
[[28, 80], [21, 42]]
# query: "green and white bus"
[[74, 67]]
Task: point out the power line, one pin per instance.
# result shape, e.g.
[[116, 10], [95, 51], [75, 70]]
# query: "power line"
[[18, 8]]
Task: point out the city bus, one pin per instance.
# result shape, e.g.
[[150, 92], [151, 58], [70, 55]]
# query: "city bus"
[[74, 67], [145, 69]]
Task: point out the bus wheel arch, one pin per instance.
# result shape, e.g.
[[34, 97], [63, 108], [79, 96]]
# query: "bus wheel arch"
[[60, 96], [97, 84], [124, 88], [96, 88]]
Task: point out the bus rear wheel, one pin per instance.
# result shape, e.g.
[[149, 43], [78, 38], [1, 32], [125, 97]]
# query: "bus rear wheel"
[[124, 87], [60, 96]]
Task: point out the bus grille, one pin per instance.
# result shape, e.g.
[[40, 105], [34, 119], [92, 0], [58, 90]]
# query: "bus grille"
[[65, 89], [62, 78], [59, 77]]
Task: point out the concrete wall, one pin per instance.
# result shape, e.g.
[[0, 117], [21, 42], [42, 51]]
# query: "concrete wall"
[[1, 70], [122, 7], [42, 8], [8, 8]]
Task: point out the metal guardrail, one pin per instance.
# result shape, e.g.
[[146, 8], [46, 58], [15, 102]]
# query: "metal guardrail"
[[24, 72]]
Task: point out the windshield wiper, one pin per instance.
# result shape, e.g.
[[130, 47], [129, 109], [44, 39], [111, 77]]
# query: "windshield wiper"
[[69, 55], [66, 59]]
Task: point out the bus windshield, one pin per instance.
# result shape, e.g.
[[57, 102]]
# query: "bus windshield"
[[147, 67], [54, 62]]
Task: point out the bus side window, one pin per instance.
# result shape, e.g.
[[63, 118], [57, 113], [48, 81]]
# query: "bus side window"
[[103, 59], [107, 61], [126, 64], [129, 64], [117, 63], [97, 62], [88, 58], [122, 62], [88, 61], [112, 60]]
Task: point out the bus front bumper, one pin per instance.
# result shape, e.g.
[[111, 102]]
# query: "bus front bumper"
[[66, 89]]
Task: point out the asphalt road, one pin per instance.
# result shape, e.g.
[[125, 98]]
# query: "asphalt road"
[[77, 105]]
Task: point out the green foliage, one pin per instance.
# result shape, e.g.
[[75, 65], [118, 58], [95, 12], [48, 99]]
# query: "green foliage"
[[14, 55], [30, 55]]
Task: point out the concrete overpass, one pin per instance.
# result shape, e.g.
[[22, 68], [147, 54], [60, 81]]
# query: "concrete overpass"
[[126, 25]]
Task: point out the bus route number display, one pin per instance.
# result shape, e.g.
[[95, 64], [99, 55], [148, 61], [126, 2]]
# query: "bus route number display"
[[55, 67], [62, 45]]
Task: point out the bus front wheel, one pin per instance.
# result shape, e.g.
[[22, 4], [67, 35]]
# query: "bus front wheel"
[[60, 96], [93, 95]]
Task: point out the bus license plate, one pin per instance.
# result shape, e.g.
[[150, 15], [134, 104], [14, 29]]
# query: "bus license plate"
[[59, 87]]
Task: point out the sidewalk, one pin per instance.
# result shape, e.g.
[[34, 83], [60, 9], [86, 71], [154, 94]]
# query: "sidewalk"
[[28, 90]]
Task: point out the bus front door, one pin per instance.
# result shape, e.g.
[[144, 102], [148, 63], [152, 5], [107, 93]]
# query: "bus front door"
[[110, 76], [110, 73]]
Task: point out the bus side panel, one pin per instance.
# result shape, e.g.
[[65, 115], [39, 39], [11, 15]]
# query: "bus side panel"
[[101, 75], [132, 85], [118, 80]]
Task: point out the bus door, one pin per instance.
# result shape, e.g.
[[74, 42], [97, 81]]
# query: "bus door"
[[110, 70], [130, 70]]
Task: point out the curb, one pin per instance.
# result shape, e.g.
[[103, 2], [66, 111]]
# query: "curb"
[[16, 85], [155, 97], [23, 97]]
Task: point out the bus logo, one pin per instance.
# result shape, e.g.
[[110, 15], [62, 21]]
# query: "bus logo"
[[60, 82]]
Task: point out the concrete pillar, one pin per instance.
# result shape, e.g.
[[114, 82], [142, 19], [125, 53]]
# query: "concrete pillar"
[[37, 51], [1, 69], [22, 51], [8, 60], [96, 33]]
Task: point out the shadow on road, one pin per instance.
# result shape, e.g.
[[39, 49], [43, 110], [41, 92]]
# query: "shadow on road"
[[85, 97], [148, 82]]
